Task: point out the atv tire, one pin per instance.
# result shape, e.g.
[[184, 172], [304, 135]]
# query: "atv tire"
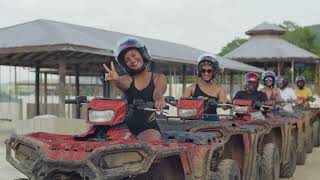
[[309, 140], [288, 168], [258, 168], [315, 131], [229, 170], [301, 150], [270, 162]]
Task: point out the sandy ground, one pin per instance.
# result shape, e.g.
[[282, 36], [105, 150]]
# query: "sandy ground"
[[310, 171]]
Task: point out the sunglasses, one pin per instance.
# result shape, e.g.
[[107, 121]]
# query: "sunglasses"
[[209, 71], [269, 79]]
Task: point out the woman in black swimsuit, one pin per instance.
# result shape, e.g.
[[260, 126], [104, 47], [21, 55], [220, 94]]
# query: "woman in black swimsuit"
[[140, 83], [208, 68], [273, 93]]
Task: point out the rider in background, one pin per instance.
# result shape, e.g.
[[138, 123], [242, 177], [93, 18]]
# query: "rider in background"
[[208, 69], [140, 83], [303, 93], [251, 84], [286, 92]]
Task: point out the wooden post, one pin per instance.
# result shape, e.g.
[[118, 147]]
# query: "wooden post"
[[184, 77], [77, 81], [241, 81], [104, 87], [231, 85], [62, 84], [37, 89], [45, 93], [108, 89], [170, 81], [292, 72], [316, 77], [77, 84], [279, 68], [15, 82]]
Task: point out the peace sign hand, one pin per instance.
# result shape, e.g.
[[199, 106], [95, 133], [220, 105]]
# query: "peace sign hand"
[[112, 74]]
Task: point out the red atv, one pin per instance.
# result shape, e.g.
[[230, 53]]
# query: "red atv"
[[280, 143], [306, 123], [109, 151], [242, 139]]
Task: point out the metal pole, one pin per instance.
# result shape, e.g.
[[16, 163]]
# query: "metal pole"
[[37, 89], [62, 84]]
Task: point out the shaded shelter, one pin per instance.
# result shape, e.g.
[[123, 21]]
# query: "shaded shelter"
[[266, 49]]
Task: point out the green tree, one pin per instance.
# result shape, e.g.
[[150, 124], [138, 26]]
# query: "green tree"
[[232, 45], [302, 37], [289, 26]]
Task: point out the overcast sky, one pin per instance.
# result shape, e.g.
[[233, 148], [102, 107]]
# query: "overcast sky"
[[204, 24]]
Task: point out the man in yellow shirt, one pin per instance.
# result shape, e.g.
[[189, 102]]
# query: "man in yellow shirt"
[[302, 93]]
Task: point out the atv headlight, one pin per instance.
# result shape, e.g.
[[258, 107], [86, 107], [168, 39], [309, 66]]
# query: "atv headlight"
[[23, 154], [100, 116], [119, 159], [187, 113], [240, 109]]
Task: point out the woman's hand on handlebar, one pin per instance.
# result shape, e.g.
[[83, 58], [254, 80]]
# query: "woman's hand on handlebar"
[[160, 104]]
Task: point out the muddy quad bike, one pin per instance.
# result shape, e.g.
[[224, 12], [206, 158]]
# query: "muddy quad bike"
[[307, 125], [241, 143], [109, 151], [276, 146], [310, 116], [283, 134]]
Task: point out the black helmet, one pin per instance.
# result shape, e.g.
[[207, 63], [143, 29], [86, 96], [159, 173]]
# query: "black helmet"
[[251, 77], [268, 74], [282, 81], [211, 59], [127, 43]]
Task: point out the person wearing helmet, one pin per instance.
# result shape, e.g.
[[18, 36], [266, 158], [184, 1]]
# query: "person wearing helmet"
[[272, 92], [251, 84], [287, 93], [303, 93], [140, 83], [208, 68]]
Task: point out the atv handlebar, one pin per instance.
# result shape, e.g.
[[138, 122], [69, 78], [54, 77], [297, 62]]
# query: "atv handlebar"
[[147, 106]]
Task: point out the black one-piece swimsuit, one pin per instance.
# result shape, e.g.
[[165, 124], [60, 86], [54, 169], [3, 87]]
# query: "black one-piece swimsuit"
[[198, 92], [137, 121]]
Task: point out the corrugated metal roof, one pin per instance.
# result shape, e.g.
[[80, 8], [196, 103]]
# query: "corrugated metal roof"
[[46, 33]]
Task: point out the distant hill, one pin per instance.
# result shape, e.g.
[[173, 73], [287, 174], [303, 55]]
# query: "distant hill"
[[316, 29]]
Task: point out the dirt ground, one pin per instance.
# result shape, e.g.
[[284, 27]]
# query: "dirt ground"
[[310, 171]]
